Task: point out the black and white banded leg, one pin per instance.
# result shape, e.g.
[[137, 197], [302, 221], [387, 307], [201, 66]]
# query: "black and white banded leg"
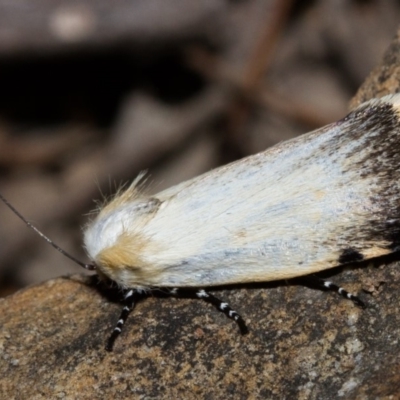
[[130, 299], [215, 301], [323, 284]]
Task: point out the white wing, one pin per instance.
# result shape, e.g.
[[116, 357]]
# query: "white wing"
[[320, 200]]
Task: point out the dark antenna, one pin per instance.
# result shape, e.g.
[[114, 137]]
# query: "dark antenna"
[[89, 267]]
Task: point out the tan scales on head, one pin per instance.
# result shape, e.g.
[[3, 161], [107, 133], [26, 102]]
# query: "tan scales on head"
[[125, 251], [123, 262]]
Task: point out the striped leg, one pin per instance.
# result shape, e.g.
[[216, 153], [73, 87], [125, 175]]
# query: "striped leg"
[[323, 284], [130, 299], [219, 304]]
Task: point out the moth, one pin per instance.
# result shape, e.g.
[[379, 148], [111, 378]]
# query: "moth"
[[324, 199]]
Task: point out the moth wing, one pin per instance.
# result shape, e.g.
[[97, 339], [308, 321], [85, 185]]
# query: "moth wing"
[[320, 200]]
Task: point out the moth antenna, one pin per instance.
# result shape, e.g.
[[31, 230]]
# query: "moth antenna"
[[89, 267]]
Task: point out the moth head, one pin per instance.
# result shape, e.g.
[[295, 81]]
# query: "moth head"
[[115, 240]]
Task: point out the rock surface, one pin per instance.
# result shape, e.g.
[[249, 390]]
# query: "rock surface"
[[303, 343], [385, 78]]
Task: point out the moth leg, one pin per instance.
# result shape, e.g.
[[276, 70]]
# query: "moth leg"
[[219, 304], [323, 284], [130, 299]]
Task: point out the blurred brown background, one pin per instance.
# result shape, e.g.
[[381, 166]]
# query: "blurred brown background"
[[92, 92]]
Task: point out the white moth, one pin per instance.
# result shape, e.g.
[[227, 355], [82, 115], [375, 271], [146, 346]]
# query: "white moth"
[[321, 200]]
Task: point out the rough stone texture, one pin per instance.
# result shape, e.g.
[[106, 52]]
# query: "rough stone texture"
[[385, 78], [303, 343]]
